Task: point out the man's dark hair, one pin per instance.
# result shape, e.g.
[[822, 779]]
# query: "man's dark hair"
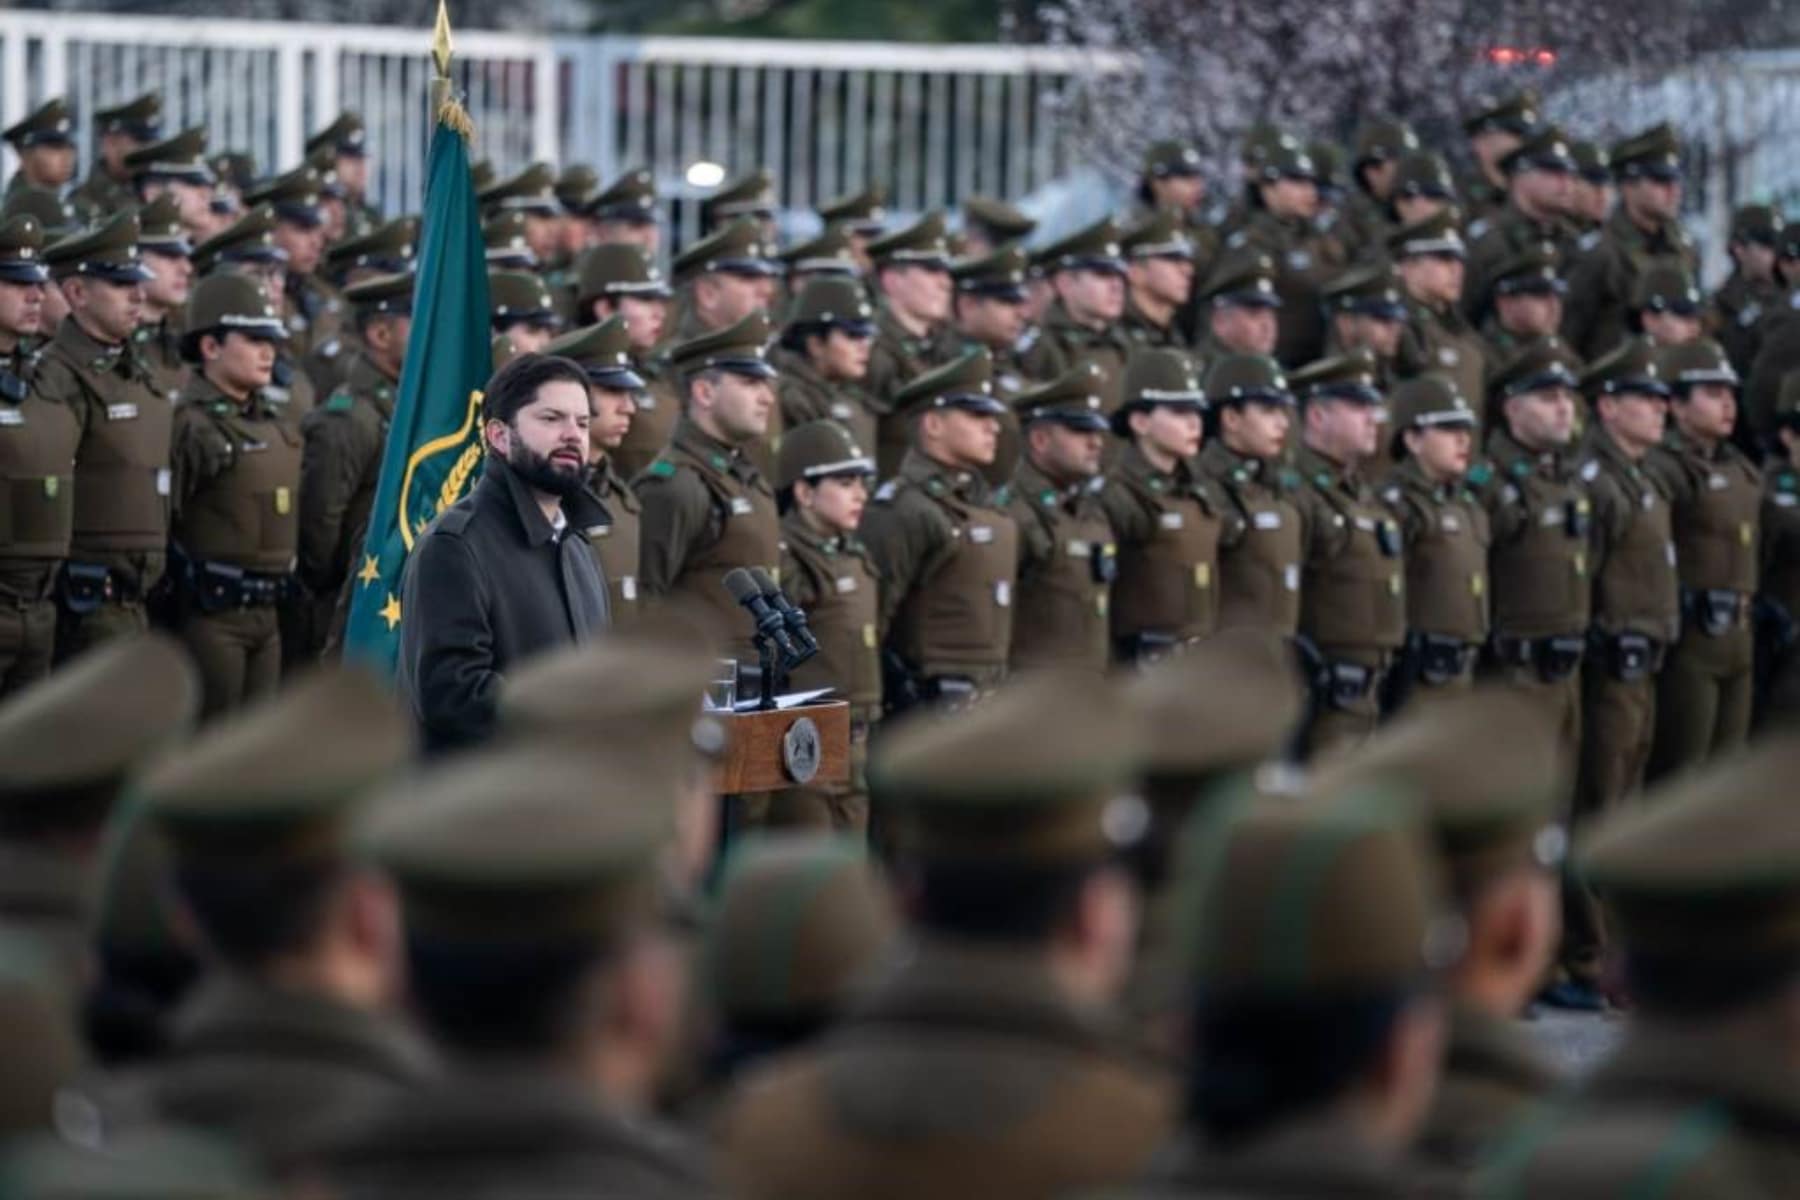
[[1261, 1061], [1017, 903], [516, 384], [252, 911], [498, 996]]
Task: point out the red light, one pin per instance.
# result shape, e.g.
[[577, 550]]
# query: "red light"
[[1544, 58]]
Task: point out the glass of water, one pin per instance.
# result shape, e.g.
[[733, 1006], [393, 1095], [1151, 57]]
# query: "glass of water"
[[721, 690]]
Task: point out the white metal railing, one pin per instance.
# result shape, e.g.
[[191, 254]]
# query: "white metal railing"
[[932, 123]]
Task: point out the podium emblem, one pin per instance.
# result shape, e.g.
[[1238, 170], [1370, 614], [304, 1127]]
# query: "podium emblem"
[[800, 750]]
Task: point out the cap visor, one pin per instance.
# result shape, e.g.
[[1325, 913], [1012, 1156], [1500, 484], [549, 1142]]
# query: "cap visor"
[[617, 379], [17, 272], [980, 405], [750, 368], [749, 266], [1249, 299], [856, 329], [135, 273]]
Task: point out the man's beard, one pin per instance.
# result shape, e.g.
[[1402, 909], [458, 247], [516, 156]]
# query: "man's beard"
[[538, 471]]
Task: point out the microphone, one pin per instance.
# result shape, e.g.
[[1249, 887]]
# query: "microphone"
[[792, 615], [769, 624]]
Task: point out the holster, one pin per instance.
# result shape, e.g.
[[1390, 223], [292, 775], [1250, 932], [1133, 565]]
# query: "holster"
[[1629, 657], [84, 587], [1715, 610]]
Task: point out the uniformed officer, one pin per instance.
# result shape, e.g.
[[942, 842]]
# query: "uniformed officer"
[[617, 279], [860, 217], [1636, 617], [522, 310], [343, 440], [1083, 324], [344, 146], [1542, 521], [1591, 192], [1778, 339], [1283, 197], [1429, 257], [1665, 305], [576, 186], [989, 223], [120, 129], [234, 173], [1484, 770], [1734, 312], [72, 743], [1423, 187], [167, 255], [822, 484], [603, 351], [1495, 130], [989, 312], [387, 249], [235, 527], [1068, 558], [1778, 604], [1173, 180], [177, 165], [121, 504], [1264, 537], [1446, 533], [706, 507], [828, 256], [1367, 311], [1238, 306], [1159, 271], [1353, 583], [509, 1000], [824, 358], [1381, 142], [722, 279], [44, 140], [312, 309], [1646, 227], [294, 1021], [1703, 695], [1293, 1028], [751, 197], [943, 546], [1166, 517], [1525, 301], [38, 437], [1698, 1099], [1008, 823], [625, 211], [912, 291], [530, 193], [1539, 174], [507, 248], [248, 247]]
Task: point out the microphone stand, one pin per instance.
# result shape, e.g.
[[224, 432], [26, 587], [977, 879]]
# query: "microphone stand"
[[767, 660]]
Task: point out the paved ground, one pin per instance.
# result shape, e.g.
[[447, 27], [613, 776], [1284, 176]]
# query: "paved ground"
[[1576, 1040]]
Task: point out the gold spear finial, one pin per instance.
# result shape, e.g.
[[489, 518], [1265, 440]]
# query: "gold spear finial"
[[449, 110], [440, 41]]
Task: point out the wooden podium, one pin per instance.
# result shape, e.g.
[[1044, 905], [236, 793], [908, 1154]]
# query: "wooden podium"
[[784, 747]]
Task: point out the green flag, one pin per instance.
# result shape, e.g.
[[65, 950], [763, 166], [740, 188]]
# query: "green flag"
[[434, 447]]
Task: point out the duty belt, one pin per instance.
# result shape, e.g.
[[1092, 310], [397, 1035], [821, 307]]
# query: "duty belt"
[[1555, 657], [1717, 611], [220, 587], [1629, 657], [83, 587], [1443, 659]]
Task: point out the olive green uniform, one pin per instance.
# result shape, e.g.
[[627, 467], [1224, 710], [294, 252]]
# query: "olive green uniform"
[[617, 545], [1602, 281], [1168, 525], [340, 465], [1262, 544], [159, 346], [121, 518], [1495, 241], [1063, 343], [833, 580], [1704, 693], [1540, 514], [101, 194], [947, 555], [1447, 536], [1305, 260], [38, 439], [1443, 341], [1352, 599], [1494, 1074], [1734, 318], [805, 395], [236, 524], [1635, 620], [1067, 563], [658, 409], [315, 314], [1140, 330], [1779, 644], [897, 358], [706, 510]]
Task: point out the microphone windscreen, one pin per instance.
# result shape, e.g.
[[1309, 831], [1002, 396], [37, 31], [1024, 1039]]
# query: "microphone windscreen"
[[764, 582], [740, 585]]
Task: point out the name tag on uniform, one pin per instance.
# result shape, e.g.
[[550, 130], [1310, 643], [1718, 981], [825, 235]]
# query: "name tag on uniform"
[[1450, 524], [1366, 524], [741, 506], [1267, 520], [1171, 520], [598, 531], [11, 416], [284, 501], [846, 583], [981, 535], [1080, 549], [1003, 592], [121, 412], [162, 481], [1290, 577], [842, 411], [1717, 482], [628, 586], [253, 447]]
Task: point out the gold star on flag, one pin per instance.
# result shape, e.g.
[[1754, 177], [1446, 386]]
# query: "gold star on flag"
[[371, 571], [390, 612]]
